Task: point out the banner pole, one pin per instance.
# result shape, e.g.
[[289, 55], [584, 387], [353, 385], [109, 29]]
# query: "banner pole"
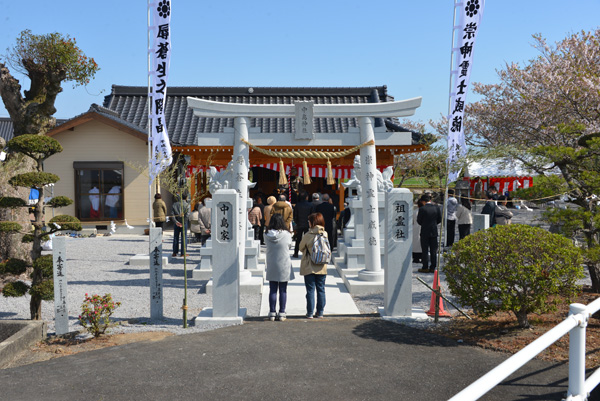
[[150, 214], [445, 197]]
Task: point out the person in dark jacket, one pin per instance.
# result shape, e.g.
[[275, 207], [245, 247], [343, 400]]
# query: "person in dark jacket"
[[180, 212], [428, 218], [490, 208], [301, 212], [328, 212]]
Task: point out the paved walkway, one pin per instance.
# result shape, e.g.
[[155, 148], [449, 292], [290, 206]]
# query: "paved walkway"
[[335, 358], [338, 299]]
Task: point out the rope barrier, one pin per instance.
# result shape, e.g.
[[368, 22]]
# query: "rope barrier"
[[308, 154]]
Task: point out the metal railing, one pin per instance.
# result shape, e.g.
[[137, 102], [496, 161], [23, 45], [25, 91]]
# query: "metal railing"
[[575, 324]]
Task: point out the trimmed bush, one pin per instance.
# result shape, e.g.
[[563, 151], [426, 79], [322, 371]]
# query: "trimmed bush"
[[44, 263], [15, 266], [15, 289], [43, 289], [59, 201], [12, 202], [514, 268], [9, 227], [65, 222], [35, 146], [34, 179]]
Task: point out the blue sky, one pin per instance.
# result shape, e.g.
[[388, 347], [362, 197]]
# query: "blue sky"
[[402, 44]]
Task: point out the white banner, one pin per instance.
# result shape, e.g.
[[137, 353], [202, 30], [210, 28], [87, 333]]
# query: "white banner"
[[160, 59], [468, 14]]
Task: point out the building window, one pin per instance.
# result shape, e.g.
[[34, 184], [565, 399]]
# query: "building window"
[[99, 190]]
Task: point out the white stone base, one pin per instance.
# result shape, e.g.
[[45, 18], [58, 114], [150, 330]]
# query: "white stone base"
[[144, 260], [250, 286], [360, 287], [206, 316], [418, 314]]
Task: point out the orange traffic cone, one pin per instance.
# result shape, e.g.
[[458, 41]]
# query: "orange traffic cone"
[[441, 311]]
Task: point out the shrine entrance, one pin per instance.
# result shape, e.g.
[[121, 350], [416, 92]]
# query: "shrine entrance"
[[301, 144]]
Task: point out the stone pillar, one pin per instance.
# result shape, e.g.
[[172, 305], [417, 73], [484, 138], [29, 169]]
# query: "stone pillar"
[[368, 179], [480, 222], [156, 274], [61, 311], [398, 253], [241, 164], [226, 253]]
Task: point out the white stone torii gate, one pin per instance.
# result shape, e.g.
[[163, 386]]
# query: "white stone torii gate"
[[364, 112]]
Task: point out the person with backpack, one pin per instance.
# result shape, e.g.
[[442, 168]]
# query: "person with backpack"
[[316, 254], [279, 265]]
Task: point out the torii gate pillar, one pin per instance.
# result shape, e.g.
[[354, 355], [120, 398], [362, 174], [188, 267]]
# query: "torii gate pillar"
[[368, 162], [241, 164]]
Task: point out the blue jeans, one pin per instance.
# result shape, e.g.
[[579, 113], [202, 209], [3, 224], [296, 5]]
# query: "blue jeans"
[[312, 281], [178, 232], [273, 287]]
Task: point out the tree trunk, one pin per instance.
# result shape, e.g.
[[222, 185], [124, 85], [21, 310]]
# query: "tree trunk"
[[594, 269], [521, 315], [35, 305]]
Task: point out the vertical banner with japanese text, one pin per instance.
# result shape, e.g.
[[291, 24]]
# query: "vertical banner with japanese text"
[[468, 15], [159, 63]]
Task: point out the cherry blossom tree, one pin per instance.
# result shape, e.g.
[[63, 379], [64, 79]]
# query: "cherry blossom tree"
[[546, 113]]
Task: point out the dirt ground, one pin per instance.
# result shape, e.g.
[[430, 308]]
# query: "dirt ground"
[[499, 332], [57, 347]]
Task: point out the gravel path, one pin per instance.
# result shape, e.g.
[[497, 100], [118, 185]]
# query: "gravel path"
[[100, 265]]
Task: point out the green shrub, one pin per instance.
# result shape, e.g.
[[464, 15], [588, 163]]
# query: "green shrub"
[[44, 263], [15, 289], [34, 179], [514, 268], [9, 227], [35, 146], [44, 289], [12, 202], [15, 266], [59, 201], [2, 268], [96, 311], [66, 222]]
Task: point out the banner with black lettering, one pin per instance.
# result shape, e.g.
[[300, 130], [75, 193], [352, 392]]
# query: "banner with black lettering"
[[468, 15], [159, 63]]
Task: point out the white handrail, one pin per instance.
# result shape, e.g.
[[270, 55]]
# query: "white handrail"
[[506, 368]]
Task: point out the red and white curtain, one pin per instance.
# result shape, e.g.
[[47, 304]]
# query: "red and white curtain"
[[502, 184], [339, 172]]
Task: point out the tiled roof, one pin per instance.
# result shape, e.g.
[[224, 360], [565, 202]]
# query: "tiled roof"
[[130, 103], [7, 130]]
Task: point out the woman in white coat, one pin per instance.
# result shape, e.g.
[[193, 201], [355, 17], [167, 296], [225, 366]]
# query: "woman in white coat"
[[279, 265]]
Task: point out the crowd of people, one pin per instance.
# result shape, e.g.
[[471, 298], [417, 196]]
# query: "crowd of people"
[[458, 213], [310, 225]]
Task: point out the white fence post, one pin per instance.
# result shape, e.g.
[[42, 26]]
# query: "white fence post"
[[577, 354]]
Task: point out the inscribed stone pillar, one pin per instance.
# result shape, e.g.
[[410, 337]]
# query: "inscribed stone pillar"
[[241, 164], [226, 253], [398, 253], [156, 274], [368, 162], [61, 311]]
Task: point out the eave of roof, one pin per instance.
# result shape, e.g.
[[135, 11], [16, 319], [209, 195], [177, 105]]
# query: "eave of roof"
[[105, 116]]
